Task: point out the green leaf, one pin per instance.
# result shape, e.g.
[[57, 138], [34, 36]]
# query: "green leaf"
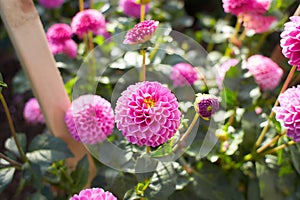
[[32, 174], [2, 84], [69, 86], [6, 176], [295, 155], [80, 174], [20, 83], [37, 196], [11, 145]]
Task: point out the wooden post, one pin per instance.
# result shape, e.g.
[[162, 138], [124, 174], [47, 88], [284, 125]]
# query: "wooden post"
[[28, 37]]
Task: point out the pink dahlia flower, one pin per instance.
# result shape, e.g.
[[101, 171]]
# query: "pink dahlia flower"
[[267, 73], [257, 22], [51, 3], [289, 111], [93, 193], [223, 69], [90, 119], [32, 112], [132, 8], [147, 114], [60, 40], [237, 7], [141, 32], [183, 74], [88, 20], [290, 41], [206, 105]]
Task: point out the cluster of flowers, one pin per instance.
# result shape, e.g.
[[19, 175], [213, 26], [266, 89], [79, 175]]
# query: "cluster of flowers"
[[251, 13]]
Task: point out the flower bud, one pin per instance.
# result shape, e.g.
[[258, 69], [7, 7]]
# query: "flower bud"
[[206, 105]]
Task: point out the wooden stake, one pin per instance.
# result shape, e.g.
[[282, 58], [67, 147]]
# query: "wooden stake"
[[28, 37]]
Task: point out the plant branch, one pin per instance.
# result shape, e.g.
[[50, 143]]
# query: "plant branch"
[[12, 162]]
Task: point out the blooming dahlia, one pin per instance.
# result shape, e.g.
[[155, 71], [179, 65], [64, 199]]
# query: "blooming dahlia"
[[93, 194], [32, 112], [183, 74]]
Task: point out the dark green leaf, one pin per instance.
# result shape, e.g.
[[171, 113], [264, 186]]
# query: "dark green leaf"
[[11, 145], [80, 174], [295, 155], [20, 83], [32, 174], [37, 196], [6, 176], [2, 84]]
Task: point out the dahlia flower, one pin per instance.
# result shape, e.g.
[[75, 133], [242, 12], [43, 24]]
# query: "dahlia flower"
[[132, 8], [223, 69], [141, 32], [88, 20], [257, 22], [93, 193], [267, 73], [183, 74], [51, 3], [32, 112], [206, 105], [147, 114], [290, 41], [289, 111], [90, 119], [237, 7], [59, 38]]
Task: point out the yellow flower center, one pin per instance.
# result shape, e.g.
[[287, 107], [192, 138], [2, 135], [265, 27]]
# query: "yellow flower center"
[[209, 108], [149, 102]]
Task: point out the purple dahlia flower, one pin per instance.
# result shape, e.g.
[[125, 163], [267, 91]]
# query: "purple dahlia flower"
[[183, 74], [132, 8], [206, 105], [290, 41], [147, 114], [32, 112], [141, 32], [90, 119], [93, 193], [88, 20], [223, 69], [51, 3], [289, 111], [265, 71]]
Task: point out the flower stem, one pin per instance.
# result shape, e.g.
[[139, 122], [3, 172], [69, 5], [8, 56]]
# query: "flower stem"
[[12, 128], [148, 149], [91, 3], [12, 162], [237, 26], [143, 71], [187, 132], [81, 5], [278, 148], [143, 12], [275, 139], [284, 87]]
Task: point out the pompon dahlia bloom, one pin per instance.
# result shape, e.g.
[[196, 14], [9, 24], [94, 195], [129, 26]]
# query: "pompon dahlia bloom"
[[237, 7], [132, 8], [90, 119], [290, 41], [147, 114], [206, 105], [266, 72], [32, 112], [93, 193], [257, 22], [289, 111], [183, 74], [59, 38], [88, 20], [223, 68], [141, 32], [51, 3]]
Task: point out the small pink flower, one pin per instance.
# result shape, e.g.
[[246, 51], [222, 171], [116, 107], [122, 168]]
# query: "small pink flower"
[[141, 32], [88, 20], [237, 7], [147, 114], [70, 48], [290, 41], [32, 112], [90, 119], [266, 72], [59, 32], [257, 22], [183, 74], [206, 105], [51, 3], [289, 111], [132, 8], [93, 193], [223, 69]]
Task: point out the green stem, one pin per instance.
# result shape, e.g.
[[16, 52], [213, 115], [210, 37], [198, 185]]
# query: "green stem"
[[12, 128], [275, 139], [261, 42], [143, 12], [12, 162], [148, 149], [91, 3], [278, 148], [81, 5], [187, 132], [284, 87], [143, 70]]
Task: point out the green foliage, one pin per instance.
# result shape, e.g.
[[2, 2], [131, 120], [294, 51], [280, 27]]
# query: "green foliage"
[[6, 176], [80, 174]]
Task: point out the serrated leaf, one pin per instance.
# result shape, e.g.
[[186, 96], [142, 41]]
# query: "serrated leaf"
[[11, 145], [49, 142], [6, 176], [80, 174]]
